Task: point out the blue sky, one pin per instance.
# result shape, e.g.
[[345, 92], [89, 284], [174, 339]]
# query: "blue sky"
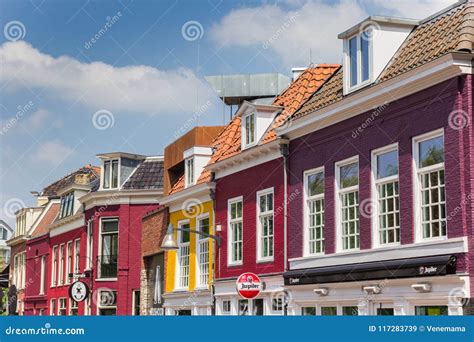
[[64, 97]]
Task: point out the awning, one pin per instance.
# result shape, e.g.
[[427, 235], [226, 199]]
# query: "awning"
[[399, 268]]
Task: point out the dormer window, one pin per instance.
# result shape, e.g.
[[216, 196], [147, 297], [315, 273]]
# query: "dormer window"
[[189, 172], [249, 132], [111, 171], [358, 54], [67, 205]]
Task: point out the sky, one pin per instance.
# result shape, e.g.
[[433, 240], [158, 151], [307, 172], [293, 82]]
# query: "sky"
[[82, 77]]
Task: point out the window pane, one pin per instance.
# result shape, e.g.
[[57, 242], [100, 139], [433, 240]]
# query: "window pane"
[[107, 174], [431, 151], [350, 311], [185, 235], [329, 311], [349, 175], [387, 164], [431, 310], [308, 311], [109, 226], [243, 307], [316, 184], [364, 55], [114, 173], [353, 60], [204, 226]]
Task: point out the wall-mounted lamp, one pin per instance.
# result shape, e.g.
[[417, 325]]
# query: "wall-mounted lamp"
[[422, 287], [322, 291]]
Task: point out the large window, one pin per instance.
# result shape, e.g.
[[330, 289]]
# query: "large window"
[[249, 130], [52, 308], [20, 225], [67, 205], [387, 215], [61, 265], [235, 232], [42, 274], [189, 172], [111, 174], [136, 302], [108, 248], [358, 59], [348, 193], [69, 261], [265, 224], [183, 256], [73, 308], [90, 244], [107, 302], [203, 251], [314, 220], [62, 307], [77, 255], [429, 155], [54, 266]]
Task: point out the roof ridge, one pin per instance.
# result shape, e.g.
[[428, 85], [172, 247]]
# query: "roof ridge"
[[87, 166], [442, 12], [466, 33]]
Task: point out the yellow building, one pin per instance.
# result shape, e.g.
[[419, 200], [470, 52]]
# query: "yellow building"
[[189, 269]]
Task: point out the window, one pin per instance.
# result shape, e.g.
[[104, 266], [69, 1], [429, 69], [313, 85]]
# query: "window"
[[249, 132], [358, 54], [243, 307], [62, 307], [350, 311], [308, 311], [226, 307], [42, 274], [73, 308], [3, 234], [136, 302], [109, 248], [183, 256], [277, 304], [429, 155], [111, 171], [52, 307], [328, 311], [61, 265], [19, 270], [157, 290], [67, 205], [20, 224], [257, 307], [107, 303], [77, 255], [265, 224], [431, 310], [54, 266], [387, 217], [203, 251], [235, 232], [314, 221], [69, 261], [90, 244], [189, 168], [348, 192]]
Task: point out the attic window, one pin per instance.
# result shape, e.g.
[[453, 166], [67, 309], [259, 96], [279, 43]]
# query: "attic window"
[[249, 132], [111, 171], [357, 58], [67, 205], [189, 172]]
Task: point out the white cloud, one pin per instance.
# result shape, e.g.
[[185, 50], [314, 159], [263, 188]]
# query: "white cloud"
[[52, 152], [315, 27], [137, 89]]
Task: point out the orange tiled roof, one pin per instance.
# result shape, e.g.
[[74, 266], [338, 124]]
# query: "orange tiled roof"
[[47, 219], [291, 99]]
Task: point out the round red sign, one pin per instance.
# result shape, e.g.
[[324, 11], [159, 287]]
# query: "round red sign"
[[249, 285]]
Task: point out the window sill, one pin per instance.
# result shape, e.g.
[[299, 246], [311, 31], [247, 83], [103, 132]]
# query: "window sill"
[[106, 279], [234, 264], [265, 261]]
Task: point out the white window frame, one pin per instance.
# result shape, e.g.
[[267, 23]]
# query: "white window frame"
[[134, 303], [347, 57], [178, 285], [264, 192], [189, 174], [231, 201], [338, 192], [77, 256], [69, 257], [71, 307], [64, 300], [102, 180], [100, 306], [306, 211], [42, 274], [202, 240], [53, 309], [61, 260], [244, 130], [90, 245], [54, 266], [376, 210], [417, 186], [99, 250]]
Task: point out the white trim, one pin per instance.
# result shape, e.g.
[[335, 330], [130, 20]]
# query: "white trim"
[[306, 198], [229, 231], [67, 224], [177, 286], [61, 264], [99, 246], [347, 63], [337, 200], [193, 191], [103, 197], [375, 197], [42, 275], [54, 268], [244, 130], [199, 239], [414, 250], [416, 183], [102, 173], [413, 81], [260, 258]]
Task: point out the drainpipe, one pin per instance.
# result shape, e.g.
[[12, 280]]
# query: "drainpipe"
[[284, 150], [212, 195]]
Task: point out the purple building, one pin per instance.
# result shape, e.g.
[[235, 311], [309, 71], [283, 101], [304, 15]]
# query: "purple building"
[[383, 156]]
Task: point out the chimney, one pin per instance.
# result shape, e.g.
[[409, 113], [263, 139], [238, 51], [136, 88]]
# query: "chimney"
[[83, 179], [296, 72]]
